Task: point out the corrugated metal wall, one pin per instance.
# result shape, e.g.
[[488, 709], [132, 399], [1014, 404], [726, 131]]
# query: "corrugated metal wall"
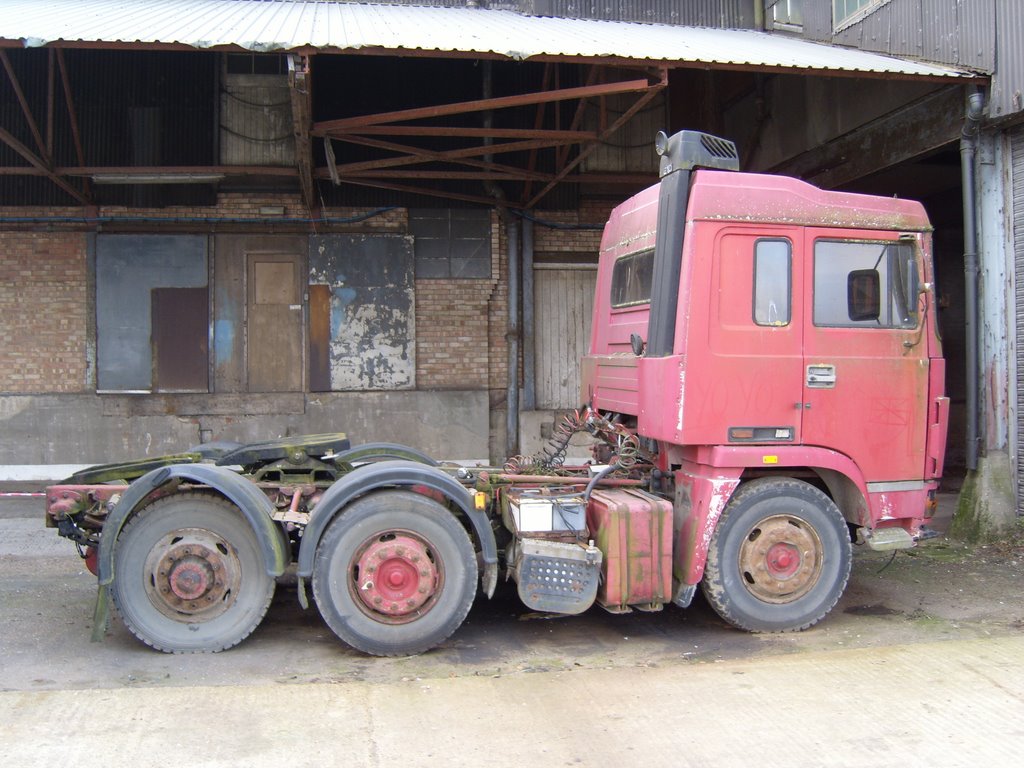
[[957, 32], [1007, 95], [1017, 189], [728, 14]]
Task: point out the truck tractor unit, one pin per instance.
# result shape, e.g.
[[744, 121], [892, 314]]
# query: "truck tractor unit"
[[764, 386]]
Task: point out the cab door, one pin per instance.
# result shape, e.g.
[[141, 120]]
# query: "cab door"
[[865, 377], [748, 387]]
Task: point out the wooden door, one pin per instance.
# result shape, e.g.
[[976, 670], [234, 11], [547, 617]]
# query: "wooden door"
[[275, 329]]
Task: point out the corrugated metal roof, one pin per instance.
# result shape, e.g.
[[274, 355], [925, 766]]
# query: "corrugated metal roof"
[[281, 25]]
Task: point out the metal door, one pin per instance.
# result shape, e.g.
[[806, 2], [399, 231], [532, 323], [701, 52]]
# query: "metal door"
[[865, 389]]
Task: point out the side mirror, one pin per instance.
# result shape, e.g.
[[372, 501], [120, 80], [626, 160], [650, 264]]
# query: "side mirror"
[[863, 295], [637, 344]]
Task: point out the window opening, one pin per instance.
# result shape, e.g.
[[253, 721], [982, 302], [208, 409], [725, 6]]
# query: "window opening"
[[451, 243], [865, 284], [772, 282], [786, 14], [847, 12], [632, 278]]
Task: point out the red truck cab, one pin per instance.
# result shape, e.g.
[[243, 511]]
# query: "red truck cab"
[[761, 332]]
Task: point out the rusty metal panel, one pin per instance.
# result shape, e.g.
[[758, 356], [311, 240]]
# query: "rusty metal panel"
[[320, 338], [180, 339], [564, 305], [1007, 96], [370, 278], [228, 314]]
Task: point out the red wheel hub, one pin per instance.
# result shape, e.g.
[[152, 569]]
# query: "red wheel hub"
[[396, 575], [189, 579], [783, 560]]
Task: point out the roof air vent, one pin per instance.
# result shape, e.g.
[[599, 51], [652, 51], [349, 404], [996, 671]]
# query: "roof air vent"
[[687, 150]]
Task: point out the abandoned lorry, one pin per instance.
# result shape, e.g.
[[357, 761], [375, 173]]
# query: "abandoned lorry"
[[764, 385]]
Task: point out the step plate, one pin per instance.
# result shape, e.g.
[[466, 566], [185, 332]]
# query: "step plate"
[[557, 577]]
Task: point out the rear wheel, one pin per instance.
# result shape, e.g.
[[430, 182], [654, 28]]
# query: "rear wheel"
[[780, 557], [395, 574], [189, 575]]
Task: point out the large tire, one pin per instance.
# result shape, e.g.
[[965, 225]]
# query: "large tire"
[[779, 559], [189, 575], [395, 574]]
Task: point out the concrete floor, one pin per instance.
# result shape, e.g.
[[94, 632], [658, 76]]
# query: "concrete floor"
[[921, 663]]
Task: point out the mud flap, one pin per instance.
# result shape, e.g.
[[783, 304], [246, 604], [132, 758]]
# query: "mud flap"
[[557, 577], [101, 613]]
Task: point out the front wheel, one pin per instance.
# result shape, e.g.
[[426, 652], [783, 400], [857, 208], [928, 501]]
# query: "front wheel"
[[780, 557], [395, 574], [189, 575]]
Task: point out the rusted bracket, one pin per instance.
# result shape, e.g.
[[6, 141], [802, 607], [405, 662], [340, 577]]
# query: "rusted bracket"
[[299, 85]]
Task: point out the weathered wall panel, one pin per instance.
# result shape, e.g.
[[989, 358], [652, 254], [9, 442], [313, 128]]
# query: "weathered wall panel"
[[564, 302], [127, 268], [256, 121], [89, 429], [1017, 191], [372, 307]]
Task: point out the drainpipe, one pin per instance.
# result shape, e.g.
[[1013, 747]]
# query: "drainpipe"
[[512, 394], [968, 149], [529, 402], [511, 225]]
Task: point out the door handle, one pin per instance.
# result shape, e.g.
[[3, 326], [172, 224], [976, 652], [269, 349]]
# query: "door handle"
[[821, 376]]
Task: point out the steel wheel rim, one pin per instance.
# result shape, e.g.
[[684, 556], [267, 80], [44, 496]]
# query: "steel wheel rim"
[[780, 559], [395, 577], [192, 574]]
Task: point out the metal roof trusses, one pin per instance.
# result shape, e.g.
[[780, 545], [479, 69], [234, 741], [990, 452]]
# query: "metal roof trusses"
[[411, 162], [41, 159], [406, 164]]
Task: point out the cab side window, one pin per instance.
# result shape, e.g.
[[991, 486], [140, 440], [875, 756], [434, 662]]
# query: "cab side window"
[[860, 284], [632, 277], [773, 260]]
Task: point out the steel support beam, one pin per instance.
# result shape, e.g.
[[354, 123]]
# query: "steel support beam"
[[907, 132], [478, 105], [649, 93], [299, 86], [20, 95], [38, 163]]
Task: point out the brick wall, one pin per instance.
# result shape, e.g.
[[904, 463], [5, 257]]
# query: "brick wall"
[[45, 306], [43, 309]]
